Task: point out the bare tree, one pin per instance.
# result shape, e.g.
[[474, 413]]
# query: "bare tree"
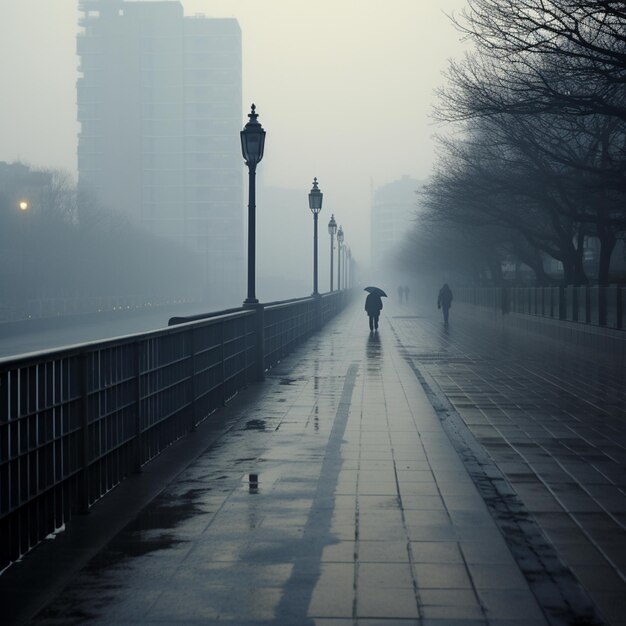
[[486, 181], [546, 91], [548, 56]]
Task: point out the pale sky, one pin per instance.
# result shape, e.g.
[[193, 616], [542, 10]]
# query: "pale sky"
[[342, 87]]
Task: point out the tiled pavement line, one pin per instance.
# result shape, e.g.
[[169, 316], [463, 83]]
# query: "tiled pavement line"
[[552, 582], [373, 375], [180, 604], [565, 458], [429, 612], [199, 550], [296, 597], [583, 531], [191, 508], [465, 574]]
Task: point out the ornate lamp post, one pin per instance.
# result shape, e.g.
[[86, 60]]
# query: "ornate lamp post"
[[339, 246], [315, 204], [332, 231], [252, 145]]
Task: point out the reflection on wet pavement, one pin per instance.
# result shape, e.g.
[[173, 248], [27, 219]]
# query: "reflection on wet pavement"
[[553, 420], [234, 521], [337, 499]]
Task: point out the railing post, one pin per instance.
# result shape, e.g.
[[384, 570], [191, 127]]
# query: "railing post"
[[318, 311], [505, 303], [223, 357], [602, 304], [562, 307], [83, 486], [259, 338], [194, 395], [137, 446]]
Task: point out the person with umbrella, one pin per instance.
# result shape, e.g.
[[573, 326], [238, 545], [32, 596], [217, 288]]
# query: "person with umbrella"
[[374, 305]]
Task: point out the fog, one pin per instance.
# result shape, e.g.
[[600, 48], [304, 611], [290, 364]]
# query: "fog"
[[342, 88], [344, 91]]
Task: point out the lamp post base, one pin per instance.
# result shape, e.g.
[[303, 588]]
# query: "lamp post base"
[[250, 301]]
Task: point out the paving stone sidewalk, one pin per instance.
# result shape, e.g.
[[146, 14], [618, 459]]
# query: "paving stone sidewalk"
[[554, 422], [347, 493]]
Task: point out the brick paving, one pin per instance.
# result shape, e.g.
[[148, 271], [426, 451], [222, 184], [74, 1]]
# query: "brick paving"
[[415, 476], [553, 421]]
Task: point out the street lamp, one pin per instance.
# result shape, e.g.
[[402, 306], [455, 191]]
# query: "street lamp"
[[252, 145], [339, 245], [23, 206], [315, 204], [332, 231]]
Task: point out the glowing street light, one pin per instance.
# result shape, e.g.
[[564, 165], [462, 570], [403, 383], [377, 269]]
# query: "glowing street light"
[[23, 205]]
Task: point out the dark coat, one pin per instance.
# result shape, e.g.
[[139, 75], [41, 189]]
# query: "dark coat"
[[373, 304], [445, 297]]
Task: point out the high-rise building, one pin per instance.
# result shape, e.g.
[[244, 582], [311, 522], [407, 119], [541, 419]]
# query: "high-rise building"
[[393, 211], [159, 104]]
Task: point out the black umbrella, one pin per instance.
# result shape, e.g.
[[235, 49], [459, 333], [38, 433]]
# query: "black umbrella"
[[377, 290]]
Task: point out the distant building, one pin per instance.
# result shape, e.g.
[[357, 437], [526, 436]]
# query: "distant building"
[[159, 104], [393, 212], [20, 184]]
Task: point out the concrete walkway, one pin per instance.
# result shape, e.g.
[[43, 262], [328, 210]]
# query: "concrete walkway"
[[357, 485]]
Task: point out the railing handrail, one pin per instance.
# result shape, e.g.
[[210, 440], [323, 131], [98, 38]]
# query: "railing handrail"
[[183, 319], [88, 415], [285, 303]]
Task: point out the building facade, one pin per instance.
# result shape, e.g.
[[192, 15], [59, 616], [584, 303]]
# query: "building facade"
[[393, 212], [159, 106]]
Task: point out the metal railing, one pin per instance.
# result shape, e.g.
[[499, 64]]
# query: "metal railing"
[[75, 422], [595, 305], [286, 324]]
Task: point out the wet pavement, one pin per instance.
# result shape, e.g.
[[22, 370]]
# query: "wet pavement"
[[421, 475]]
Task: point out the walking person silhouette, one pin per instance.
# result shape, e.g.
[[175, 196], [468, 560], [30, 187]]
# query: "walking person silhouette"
[[373, 307], [444, 301]]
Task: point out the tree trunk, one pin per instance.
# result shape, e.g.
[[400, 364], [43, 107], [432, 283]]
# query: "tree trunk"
[[607, 245], [580, 278], [568, 269], [541, 277]]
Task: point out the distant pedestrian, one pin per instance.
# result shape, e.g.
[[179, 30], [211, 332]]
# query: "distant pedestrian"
[[444, 301], [400, 292], [373, 307], [406, 293]]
